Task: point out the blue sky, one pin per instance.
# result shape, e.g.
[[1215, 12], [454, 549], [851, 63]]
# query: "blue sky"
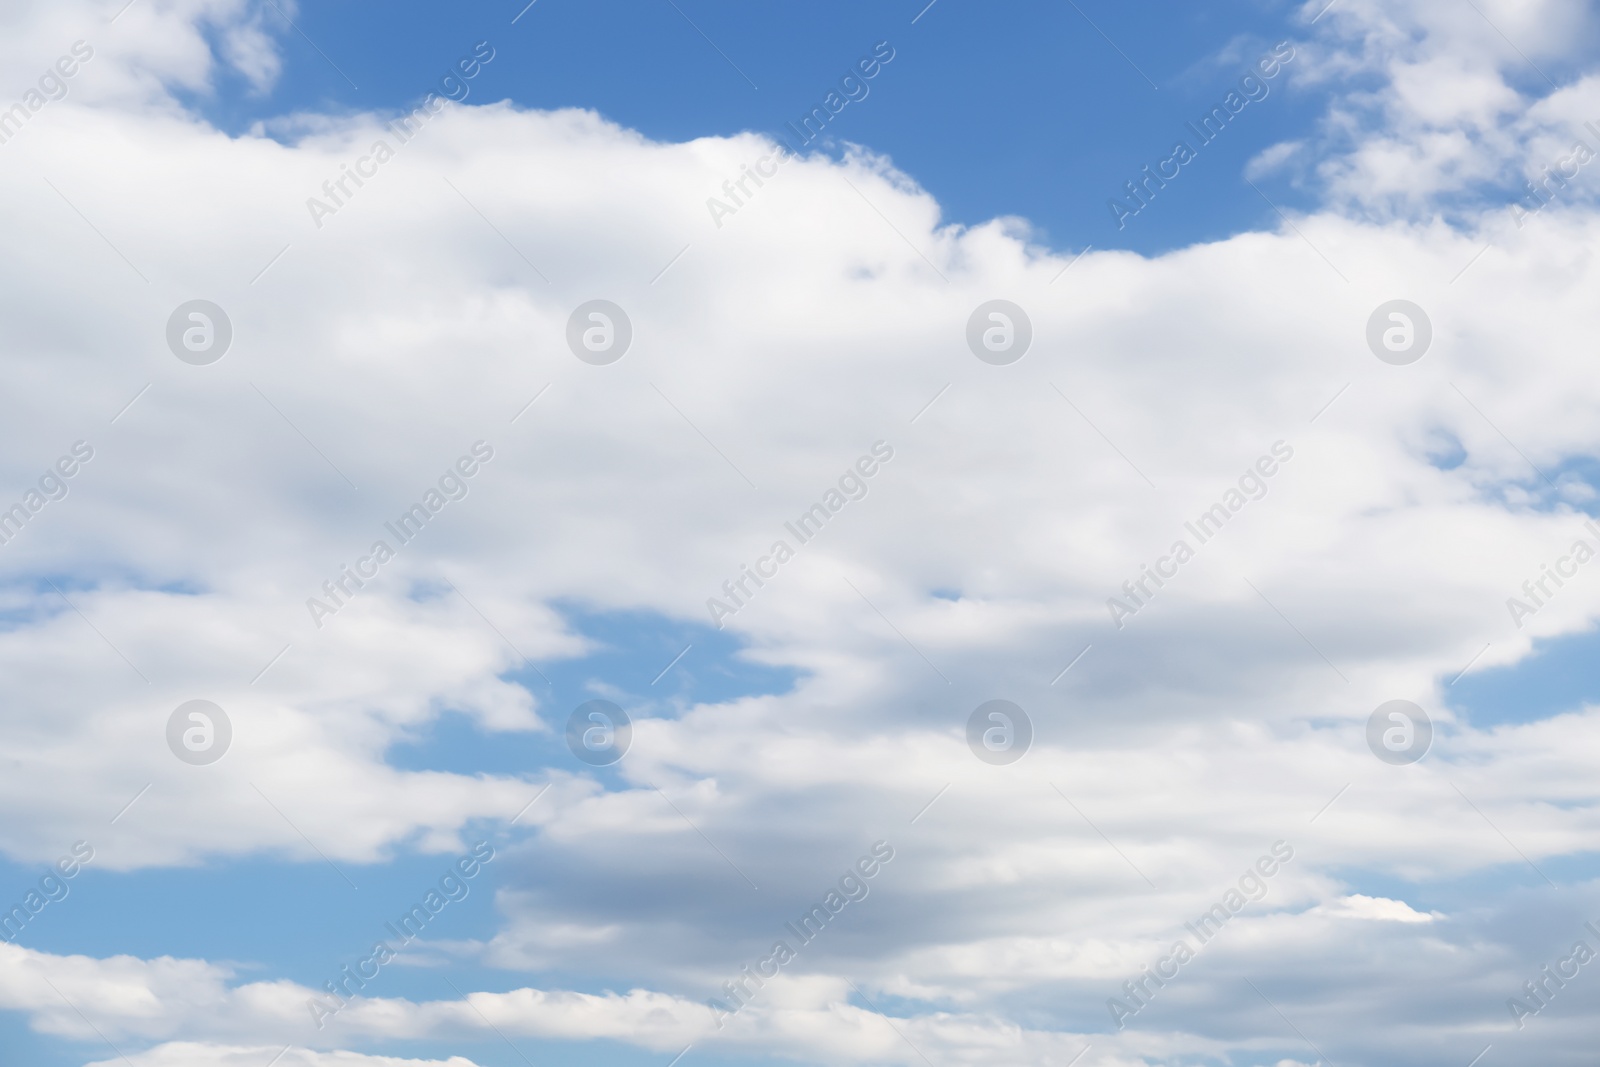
[[839, 310], [1014, 109]]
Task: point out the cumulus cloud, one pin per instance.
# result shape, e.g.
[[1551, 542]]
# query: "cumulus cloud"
[[377, 344]]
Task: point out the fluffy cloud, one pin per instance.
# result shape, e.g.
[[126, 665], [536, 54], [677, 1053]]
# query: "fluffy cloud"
[[374, 347]]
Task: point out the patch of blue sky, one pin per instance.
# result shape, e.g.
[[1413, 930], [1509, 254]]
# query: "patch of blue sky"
[[1487, 890], [299, 920], [1572, 484], [1061, 105], [1445, 451], [650, 665], [1559, 676]]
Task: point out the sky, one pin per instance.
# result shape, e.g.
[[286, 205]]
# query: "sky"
[[516, 549], [1021, 109]]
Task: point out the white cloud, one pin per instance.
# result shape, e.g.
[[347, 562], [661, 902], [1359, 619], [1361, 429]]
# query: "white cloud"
[[1357, 906], [404, 329]]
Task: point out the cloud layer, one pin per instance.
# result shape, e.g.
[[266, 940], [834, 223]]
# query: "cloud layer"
[[373, 349]]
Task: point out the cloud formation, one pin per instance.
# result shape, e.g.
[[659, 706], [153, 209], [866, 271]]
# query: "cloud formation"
[[372, 349]]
